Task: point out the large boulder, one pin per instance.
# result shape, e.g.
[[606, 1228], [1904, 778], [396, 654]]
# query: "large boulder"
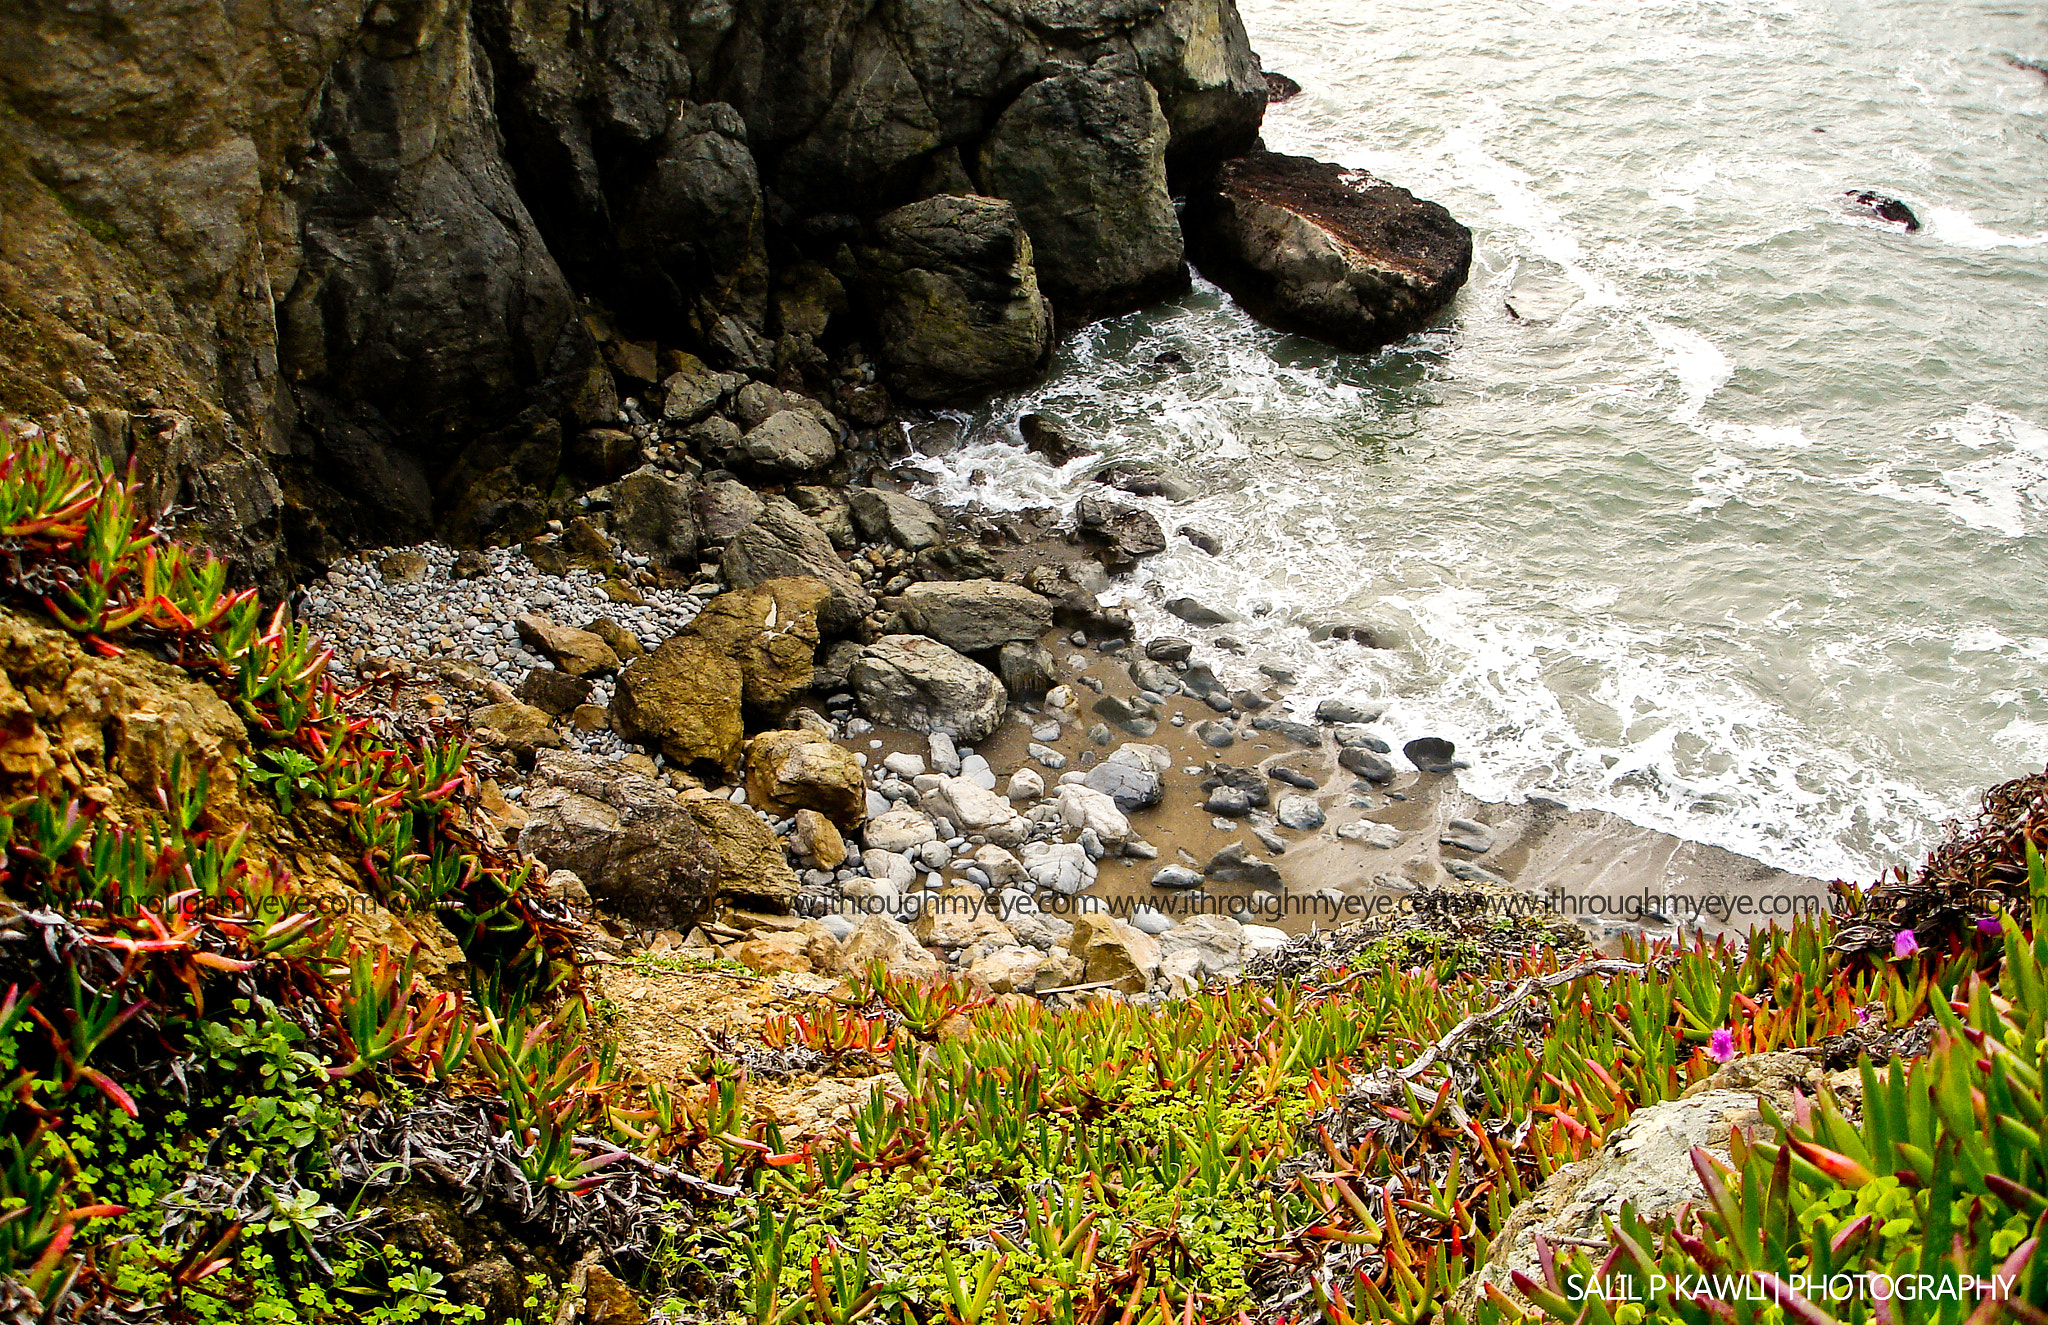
[[646, 854], [653, 514], [684, 700], [961, 916], [1326, 250], [783, 541], [771, 630], [577, 652], [922, 685], [789, 771], [888, 941], [950, 287], [1646, 1163], [1083, 156], [1209, 82], [1202, 948], [1131, 776], [518, 729], [1121, 534], [975, 809], [748, 857], [974, 616], [789, 441], [892, 517], [1084, 809]]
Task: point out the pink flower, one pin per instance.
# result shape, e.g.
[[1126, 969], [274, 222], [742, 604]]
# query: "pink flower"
[[1989, 926], [1906, 944], [1721, 1046]]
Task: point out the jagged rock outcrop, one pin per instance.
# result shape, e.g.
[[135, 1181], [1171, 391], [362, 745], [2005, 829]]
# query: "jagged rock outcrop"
[[1327, 250], [336, 273]]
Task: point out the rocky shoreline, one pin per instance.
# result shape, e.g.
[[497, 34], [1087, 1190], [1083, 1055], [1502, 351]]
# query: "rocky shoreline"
[[863, 728]]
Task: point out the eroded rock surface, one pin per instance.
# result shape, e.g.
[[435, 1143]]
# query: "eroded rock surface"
[[1327, 250]]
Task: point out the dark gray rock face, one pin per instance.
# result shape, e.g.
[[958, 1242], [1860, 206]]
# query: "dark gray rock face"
[[954, 298], [1325, 250], [1083, 157], [692, 237], [850, 104], [321, 269], [427, 311], [654, 514]]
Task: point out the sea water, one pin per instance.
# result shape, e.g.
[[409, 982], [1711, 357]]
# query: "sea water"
[[1711, 501]]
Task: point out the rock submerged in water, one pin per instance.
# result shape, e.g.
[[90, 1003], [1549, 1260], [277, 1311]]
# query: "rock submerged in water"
[[1279, 87], [1432, 754], [1052, 438], [1326, 250], [1885, 208], [1197, 613]]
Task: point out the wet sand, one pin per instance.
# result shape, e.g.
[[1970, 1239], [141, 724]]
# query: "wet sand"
[[1587, 866]]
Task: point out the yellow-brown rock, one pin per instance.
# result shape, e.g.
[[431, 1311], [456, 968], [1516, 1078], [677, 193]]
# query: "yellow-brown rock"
[[789, 771], [771, 631], [684, 700]]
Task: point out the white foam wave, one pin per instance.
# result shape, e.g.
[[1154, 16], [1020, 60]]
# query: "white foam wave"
[[1994, 494], [1540, 223], [1956, 227], [1699, 365], [1718, 481]]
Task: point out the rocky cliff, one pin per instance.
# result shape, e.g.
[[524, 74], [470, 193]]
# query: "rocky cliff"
[[333, 273]]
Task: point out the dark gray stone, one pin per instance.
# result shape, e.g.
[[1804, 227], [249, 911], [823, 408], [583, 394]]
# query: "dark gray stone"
[[953, 297], [1236, 864], [1052, 437], [1083, 156], [1431, 754], [1142, 478], [1199, 614], [973, 616], [1300, 733], [1366, 764], [1120, 534], [1346, 710], [892, 517]]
